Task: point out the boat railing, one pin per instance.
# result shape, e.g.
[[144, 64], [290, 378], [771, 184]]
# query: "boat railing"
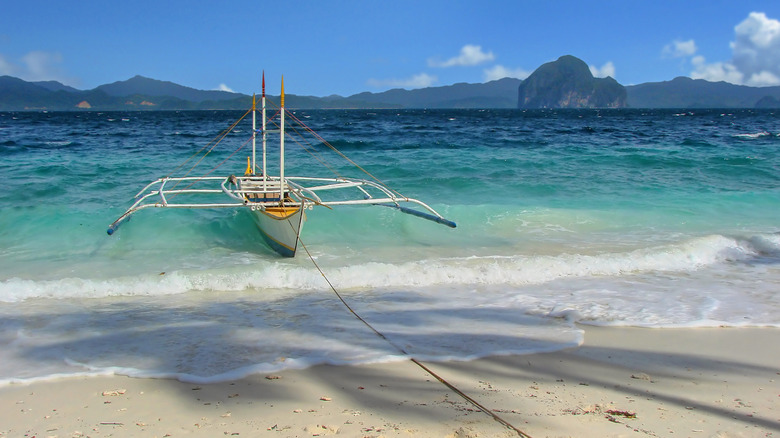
[[299, 190], [390, 199]]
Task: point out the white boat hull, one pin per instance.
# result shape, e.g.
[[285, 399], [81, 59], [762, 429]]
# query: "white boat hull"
[[280, 227]]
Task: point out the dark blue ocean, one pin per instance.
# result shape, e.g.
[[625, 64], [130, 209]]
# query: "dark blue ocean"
[[651, 218]]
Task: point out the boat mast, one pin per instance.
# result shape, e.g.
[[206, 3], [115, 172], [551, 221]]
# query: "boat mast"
[[254, 132], [281, 148], [262, 100]]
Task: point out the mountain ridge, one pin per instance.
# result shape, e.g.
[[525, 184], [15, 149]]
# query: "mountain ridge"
[[153, 87], [685, 92], [142, 93]]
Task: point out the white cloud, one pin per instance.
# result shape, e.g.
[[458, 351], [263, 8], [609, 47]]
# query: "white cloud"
[[715, 72], [763, 78], [607, 69], [755, 55], [421, 80], [6, 68], [36, 66], [469, 55], [42, 66], [223, 87], [680, 49], [757, 49], [500, 72]]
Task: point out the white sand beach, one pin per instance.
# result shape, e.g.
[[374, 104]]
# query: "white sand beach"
[[622, 382]]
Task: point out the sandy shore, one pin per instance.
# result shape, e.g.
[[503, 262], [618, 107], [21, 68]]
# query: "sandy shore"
[[718, 382]]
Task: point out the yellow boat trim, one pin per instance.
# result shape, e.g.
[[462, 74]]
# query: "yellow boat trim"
[[280, 213]]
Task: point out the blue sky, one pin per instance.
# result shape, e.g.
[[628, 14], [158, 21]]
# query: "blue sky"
[[346, 47]]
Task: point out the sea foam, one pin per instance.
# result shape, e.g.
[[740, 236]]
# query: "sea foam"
[[476, 270]]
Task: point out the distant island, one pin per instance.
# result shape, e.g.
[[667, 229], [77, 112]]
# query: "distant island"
[[568, 83], [564, 83]]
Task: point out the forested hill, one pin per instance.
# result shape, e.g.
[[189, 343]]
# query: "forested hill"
[[683, 92], [569, 83]]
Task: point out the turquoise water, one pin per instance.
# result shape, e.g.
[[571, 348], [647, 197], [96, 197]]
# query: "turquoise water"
[[657, 218]]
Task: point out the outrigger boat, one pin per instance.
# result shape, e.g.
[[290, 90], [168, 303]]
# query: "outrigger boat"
[[277, 203]]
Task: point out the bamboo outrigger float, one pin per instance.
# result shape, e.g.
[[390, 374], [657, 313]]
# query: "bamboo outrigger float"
[[277, 203]]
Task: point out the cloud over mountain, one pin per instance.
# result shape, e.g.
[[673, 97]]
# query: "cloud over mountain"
[[606, 70], [469, 55], [755, 55], [499, 71], [757, 49], [421, 80], [37, 65]]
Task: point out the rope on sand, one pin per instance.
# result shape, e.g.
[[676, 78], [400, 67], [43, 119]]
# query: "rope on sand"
[[415, 361]]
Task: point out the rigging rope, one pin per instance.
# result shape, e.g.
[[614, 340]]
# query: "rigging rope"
[[213, 143], [173, 195], [312, 152], [449, 385], [333, 148]]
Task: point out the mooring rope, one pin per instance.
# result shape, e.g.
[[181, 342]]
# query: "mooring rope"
[[411, 358]]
